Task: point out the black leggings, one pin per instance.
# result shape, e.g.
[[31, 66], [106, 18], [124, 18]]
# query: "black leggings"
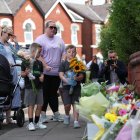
[[50, 96]]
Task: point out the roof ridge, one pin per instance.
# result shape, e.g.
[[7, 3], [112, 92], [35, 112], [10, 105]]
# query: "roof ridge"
[[7, 6], [95, 13]]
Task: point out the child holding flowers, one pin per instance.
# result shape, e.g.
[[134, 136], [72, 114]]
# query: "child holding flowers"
[[33, 86], [71, 72]]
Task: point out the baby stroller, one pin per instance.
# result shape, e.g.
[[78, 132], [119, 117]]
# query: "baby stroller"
[[7, 90]]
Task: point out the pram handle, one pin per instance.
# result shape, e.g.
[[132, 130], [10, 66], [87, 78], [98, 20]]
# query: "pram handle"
[[15, 65]]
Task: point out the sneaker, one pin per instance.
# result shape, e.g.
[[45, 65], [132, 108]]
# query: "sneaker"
[[43, 118], [57, 117], [76, 124], [66, 120], [39, 125], [9, 121], [31, 126]]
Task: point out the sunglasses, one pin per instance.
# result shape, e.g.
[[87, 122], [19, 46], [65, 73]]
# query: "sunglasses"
[[52, 27], [8, 34], [112, 57]]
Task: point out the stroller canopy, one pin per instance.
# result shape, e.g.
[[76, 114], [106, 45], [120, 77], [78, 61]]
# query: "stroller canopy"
[[5, 74]]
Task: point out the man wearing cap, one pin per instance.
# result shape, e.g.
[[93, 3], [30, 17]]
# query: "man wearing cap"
[[6, 49]]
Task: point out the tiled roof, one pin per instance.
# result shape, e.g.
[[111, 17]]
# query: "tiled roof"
[[4, 9], [96, 14], [101, 10], [14, 5], [85, 11], [45, 4]]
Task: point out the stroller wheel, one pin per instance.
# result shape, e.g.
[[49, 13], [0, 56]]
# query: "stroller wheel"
[[1, 122], [0, 125], [20, 118]]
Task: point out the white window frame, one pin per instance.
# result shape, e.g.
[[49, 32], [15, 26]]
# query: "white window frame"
[[97, 30], [30, 33], [33, 27], [7, 20], [61, 29], [74, 34]]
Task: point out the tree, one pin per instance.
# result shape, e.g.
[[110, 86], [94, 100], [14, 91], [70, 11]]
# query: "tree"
[[122, 33]]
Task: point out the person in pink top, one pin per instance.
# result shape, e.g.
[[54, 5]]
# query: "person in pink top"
[[53, 49]]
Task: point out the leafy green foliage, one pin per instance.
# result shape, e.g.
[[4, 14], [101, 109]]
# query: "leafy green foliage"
[[122, 33]]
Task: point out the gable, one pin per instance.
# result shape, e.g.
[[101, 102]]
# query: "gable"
[[4, 9]]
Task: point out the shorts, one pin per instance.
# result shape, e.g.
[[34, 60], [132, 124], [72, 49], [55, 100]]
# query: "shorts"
[[31, 98], [73, 98]]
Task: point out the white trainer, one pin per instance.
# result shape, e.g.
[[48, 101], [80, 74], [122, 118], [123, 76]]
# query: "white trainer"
[[76, 124], [66, 120], [43, 118], [39, 125], [31, 126], [58, 117]]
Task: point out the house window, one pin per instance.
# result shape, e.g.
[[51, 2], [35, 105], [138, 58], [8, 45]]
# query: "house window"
[[28, 34], [6, 21], [28, 27], [98, 30], [60, 29], [74, 34]]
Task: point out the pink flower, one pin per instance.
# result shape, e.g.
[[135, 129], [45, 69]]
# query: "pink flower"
[[122, 112]]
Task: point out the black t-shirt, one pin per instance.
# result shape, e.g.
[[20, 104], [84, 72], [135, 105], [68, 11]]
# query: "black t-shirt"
[[37, 71]]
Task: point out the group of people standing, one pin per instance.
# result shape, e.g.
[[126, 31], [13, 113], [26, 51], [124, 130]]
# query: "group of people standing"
[[51, 60], [111, 70]]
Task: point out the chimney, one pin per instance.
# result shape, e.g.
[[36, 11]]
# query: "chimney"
[[108, 1], [88, 2]]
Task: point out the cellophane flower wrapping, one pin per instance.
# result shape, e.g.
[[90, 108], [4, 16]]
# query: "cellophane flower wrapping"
[[112, 87], [70, 77], [95, 104], [90, 89], [87, 77], [126, 131], [136, 127], [101, 123], [131, 129], [112, 132]]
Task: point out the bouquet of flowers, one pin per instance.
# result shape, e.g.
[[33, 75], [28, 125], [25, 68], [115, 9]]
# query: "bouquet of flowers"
[[76, 66], [29, 62]]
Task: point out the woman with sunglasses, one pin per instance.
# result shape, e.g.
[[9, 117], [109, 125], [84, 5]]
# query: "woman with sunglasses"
[[53, 48], [115, 70], [7, 49]]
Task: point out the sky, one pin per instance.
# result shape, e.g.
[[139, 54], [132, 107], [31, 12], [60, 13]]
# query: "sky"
[[75, 1]]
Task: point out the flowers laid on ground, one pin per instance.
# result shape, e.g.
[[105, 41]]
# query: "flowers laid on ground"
[[121, 103]]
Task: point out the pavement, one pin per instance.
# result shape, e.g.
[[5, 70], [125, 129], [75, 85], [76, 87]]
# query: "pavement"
[[54, 131]]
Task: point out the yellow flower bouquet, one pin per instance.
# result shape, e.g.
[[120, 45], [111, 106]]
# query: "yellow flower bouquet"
[[76, 65]]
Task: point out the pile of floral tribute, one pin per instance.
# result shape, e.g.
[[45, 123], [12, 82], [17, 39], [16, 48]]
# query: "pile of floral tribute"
[[113, 109]]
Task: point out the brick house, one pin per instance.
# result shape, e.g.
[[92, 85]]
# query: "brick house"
[[75, 26], [94, 18]]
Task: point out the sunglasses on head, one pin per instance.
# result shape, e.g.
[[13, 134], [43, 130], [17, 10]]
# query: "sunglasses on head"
[[52, 27]]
